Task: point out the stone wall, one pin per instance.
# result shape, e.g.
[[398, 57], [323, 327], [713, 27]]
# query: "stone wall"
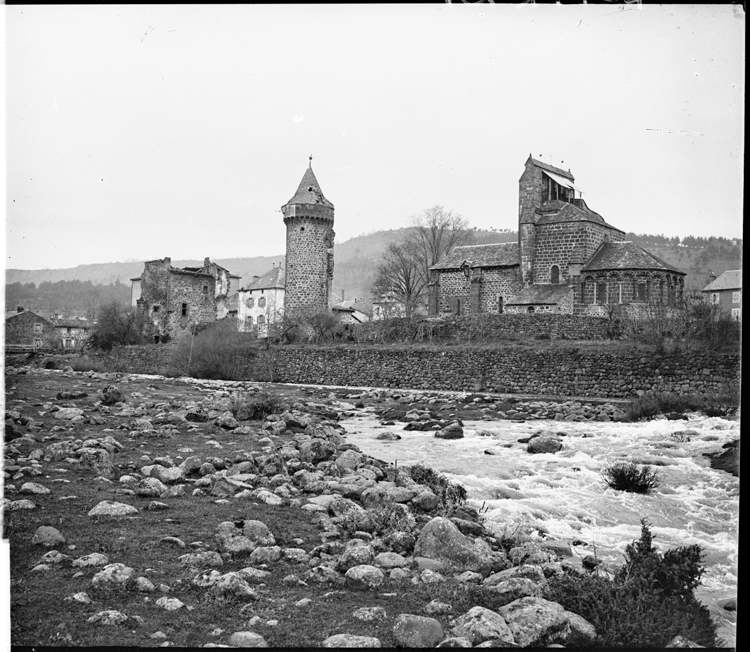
[[557, 372], [494, 282]]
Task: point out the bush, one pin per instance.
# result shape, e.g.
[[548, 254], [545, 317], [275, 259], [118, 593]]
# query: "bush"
[[255, 406], [649, 601], [117, 325], [218, 352], [84, 364], [627, 476], [652, 404], [450, 494]]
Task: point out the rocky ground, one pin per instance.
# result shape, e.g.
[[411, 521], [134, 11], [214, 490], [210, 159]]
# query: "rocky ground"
[[147, 511]]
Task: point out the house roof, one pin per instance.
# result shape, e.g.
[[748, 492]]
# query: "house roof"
[[308, 191], [274, 278], [71, 323], [625, 255], [351, 305], [729, 280], [27, 312], [539, 294], [551, 168], [504, 254]]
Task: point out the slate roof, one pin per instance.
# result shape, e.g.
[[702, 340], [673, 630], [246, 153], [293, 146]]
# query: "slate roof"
[[556, 210], [26, 312], [539, 294], [273, 279], [71, 323], [729, 280], [308, 191], [350, 305], [625, 255], [552, 168], [504, 254]]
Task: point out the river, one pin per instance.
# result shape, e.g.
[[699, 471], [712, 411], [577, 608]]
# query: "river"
[[563, 494]]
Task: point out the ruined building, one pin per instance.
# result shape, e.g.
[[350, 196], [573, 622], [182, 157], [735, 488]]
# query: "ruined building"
[[174, 300], [308, 216], [567, 260]]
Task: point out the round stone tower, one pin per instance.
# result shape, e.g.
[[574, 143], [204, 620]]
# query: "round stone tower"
[[309, 248]]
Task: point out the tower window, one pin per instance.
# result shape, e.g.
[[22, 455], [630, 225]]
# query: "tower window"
[[554, 275], [184, 309]]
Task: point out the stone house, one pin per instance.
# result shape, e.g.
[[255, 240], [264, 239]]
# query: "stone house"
[[71, 333], [260, 304], [27, 330], [174, 300], [726, 292], [351, 311], [567, 259]]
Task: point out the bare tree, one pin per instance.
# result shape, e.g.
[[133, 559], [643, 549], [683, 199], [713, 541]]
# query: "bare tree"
[[435, 233], [405, 269], [398, 275]]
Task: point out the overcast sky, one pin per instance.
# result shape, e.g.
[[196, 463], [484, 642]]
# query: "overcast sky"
[[138, 132]]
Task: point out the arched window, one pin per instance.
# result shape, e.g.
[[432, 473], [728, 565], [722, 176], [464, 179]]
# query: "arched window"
[[530, 309], [589, 290], [456, 306], [500, 306], [261, 320], [554, 275], [641, 292]]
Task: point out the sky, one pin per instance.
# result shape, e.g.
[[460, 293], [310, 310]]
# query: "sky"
[[139, 132]]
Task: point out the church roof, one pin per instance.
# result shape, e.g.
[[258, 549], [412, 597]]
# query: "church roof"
[[274, 278], [729, 280], [556, 211], [551, 168], [625, 255], [308, 191], [503, 254], [539, 294]]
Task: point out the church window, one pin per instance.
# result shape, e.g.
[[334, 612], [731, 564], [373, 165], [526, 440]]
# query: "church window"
[[642, 292], [555, 274], [500, 306], [530, 309], [601, 292]]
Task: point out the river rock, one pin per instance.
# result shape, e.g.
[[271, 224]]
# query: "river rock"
[[480, 624], [441, 540], [417, 631], [451, 431], [536, 622], [547, 443], [350, 640], [114, 509], [48, 536]]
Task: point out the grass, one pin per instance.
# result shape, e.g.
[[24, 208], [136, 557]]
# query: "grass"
[[653, 404]]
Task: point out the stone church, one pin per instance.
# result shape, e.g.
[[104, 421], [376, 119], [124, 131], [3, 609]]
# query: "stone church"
[[568, 259]]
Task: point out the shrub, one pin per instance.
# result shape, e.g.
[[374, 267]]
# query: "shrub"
[[255, 406], [450, 494], [653, 404], [217, 352], [649, 601], [628, 476], [117, 325], [84, 364]]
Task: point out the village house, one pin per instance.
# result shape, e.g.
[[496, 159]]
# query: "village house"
[[726, 292], [351, 311], [175, 300], [28, 331], [568, 259], [260, 304], [71, 333]]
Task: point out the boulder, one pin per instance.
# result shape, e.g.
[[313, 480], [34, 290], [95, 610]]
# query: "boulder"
[[48, 537], [113, 575], [109, 617], [417, 631], [480, 624], [364, 577], [544, 444], [68, 414], [98, 460], [110, 395], [441, 540], [247, 639], [582, 632], [350, 640], [354, 556], [536, 622], [451, 431], [93, 559], [114, 509]]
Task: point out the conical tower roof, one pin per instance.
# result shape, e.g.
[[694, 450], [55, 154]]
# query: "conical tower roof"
[[308, 191]]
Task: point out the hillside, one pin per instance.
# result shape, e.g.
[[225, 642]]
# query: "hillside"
[[354, 269]]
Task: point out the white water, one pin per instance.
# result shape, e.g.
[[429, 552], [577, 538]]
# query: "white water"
[[563, 494]]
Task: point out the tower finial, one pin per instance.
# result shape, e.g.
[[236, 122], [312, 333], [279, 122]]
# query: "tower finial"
[[310, 161]]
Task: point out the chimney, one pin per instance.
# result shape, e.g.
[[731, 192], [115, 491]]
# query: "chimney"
[[19, 309], [206, 261], [711, 276]]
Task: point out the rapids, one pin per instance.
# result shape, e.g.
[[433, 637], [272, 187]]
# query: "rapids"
[[564, 496]]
